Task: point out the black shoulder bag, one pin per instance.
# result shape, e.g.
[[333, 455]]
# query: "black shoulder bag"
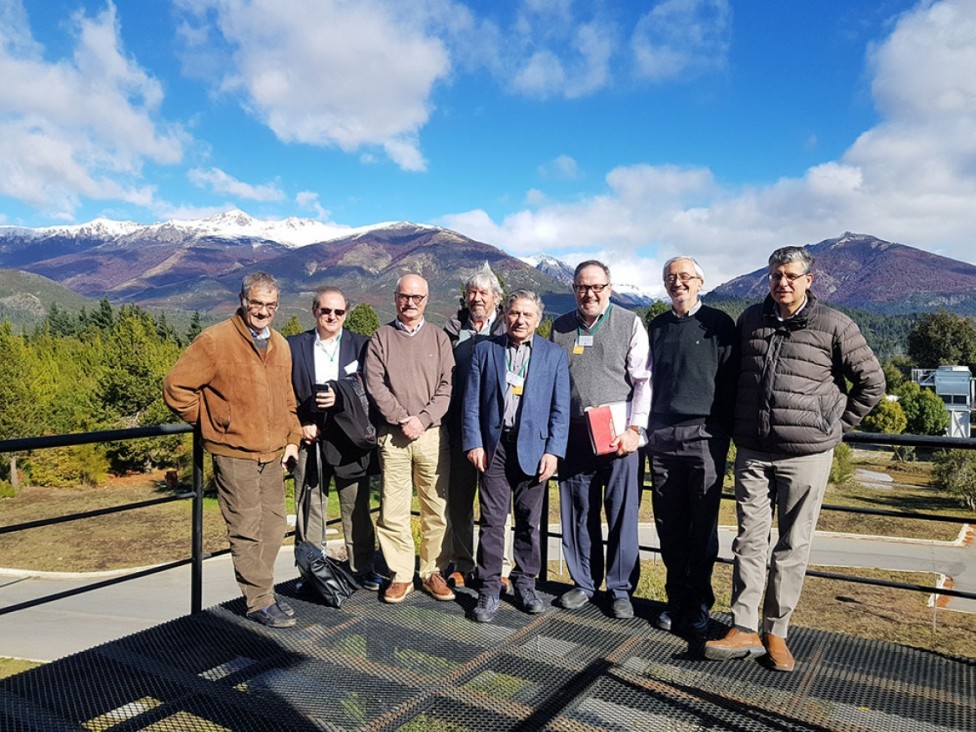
[[330, 579]]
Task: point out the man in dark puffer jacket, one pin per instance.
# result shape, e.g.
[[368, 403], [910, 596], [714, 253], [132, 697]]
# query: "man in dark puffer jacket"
[[793, 407]]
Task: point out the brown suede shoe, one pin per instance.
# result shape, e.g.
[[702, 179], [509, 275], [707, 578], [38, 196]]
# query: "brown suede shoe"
[[436, 587], [778, 656], [397, 591], [735, 644]]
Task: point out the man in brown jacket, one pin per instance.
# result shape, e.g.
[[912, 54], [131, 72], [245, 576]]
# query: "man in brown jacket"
[[234, 382]]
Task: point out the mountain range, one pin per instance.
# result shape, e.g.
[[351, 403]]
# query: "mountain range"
[[197, 265], [864, 272]]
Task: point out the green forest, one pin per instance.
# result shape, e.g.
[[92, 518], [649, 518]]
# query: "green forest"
[[103, 369]]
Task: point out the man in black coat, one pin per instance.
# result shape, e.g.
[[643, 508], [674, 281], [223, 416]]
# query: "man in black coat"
[[325, 362]]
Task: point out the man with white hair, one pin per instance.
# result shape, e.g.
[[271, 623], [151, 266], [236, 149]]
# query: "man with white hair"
[[693, 363], [477, 320]]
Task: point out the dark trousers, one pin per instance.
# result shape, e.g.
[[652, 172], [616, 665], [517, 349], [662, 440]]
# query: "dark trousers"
[[687, 470], [463, 483], [310, 509], [587, 483], [502, 482]]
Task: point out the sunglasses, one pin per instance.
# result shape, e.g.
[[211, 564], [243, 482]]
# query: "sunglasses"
[[339, 312]]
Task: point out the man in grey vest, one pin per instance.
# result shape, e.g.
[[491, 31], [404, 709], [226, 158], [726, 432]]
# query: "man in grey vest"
[[607, 350]]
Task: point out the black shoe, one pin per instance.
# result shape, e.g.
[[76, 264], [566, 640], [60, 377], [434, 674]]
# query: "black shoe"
[[529, 600], [487, 606], [622, 609], [369, 581], [272, 616], [695, 620], [574, 599], [664, 621], [285, 608]]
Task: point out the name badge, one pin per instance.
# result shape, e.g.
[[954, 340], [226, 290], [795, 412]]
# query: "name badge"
[[352, 368], [577, 349], [584, 341], [514, 379]]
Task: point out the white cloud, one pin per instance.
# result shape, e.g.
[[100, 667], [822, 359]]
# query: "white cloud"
[[555, 55], [329, 73], [681, 37], [911, 178], [219, 182], [78, 127], [562, 167], [309, 201]]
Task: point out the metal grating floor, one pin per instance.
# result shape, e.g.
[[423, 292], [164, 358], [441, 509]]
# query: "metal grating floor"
[[423, 665]]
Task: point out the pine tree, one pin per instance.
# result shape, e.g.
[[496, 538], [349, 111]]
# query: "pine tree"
[[362, 319]]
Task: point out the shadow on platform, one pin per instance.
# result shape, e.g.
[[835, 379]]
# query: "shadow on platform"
[[423, 665]]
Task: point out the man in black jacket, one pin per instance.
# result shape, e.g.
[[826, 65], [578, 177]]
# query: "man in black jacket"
[[323, 359], [694, 363], [793, 406]]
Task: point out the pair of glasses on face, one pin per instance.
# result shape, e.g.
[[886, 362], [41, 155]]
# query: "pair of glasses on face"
[[339, 312], [257, 306], [790, 277], [684, 277], [597, 289], [402, 297]]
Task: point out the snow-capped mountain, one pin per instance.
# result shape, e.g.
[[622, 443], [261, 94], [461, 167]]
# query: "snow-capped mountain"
[[235, 224]]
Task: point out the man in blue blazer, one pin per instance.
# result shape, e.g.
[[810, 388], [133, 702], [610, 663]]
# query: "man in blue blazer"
[[320, 358], [514, 431]]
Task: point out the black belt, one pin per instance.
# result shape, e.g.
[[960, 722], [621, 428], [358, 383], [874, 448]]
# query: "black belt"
[[509, 435]]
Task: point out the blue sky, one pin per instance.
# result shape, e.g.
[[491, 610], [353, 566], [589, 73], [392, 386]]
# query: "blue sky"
[[630, 131]]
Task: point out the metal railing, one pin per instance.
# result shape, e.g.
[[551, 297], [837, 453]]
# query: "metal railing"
[[197, 554], [195, 494]]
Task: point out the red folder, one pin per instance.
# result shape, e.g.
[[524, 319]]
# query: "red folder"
[[599, 420]]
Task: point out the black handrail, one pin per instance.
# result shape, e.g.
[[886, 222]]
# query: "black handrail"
[[197, 554]]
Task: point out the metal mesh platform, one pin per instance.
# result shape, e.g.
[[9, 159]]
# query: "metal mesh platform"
[[423, 665]]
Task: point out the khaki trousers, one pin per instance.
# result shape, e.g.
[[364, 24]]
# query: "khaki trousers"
[[793, 487], [422, 464], [251, 496]]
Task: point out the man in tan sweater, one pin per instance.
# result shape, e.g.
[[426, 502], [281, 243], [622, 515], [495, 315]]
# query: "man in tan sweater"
[[234, 383], [408, 372]]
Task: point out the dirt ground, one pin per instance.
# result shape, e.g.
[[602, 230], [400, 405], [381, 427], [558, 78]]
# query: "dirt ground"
[[138, 537]]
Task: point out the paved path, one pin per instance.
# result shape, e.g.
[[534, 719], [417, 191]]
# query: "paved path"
[[66, 626], [76, 623]]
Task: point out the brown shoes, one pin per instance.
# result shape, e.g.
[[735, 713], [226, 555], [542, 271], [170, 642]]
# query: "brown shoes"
[[735, 644], [778, 656], [397, 591], [436, 587]]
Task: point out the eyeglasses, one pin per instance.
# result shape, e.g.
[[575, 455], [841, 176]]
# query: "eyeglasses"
[[257, 306], [339, 312], [402, 297], [597, 289], [683, 276], [790, 277]]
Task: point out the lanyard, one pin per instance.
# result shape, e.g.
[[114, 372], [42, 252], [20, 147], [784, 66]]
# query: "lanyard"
[[335, 351], [525, 363], [596, 326]]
